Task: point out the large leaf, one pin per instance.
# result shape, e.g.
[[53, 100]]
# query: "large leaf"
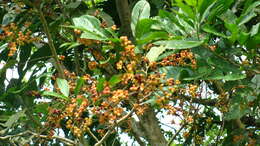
[[154, 53], [143, 26], [140, 11], [206, 12], [210, 29], [170, 23], [64, 86], [54, 94], [179, 44], [91, 25], [152, 36]]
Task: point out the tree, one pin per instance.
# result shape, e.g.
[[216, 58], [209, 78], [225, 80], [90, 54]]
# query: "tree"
[[87, 74]]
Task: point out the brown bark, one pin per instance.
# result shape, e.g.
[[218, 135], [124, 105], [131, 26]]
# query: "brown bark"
[[124, 13], [149, 128]]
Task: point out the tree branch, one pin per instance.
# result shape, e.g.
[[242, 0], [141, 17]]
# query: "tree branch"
[[174, 136], [51, 44], [113, 126], [65, 140]]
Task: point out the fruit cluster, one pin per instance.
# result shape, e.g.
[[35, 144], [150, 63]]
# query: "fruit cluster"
[[15, 37], [140, 86]]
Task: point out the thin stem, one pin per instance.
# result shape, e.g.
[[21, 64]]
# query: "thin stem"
[[91, 134], [109, 132], [175, 135], [51, 44]]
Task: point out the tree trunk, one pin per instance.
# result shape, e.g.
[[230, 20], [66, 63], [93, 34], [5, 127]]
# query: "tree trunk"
[[148, 128], [124, 13]]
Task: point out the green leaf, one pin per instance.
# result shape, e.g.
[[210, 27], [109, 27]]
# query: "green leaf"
[[70, 45], [54, 94], [115, 79], [229, 77], [8, 18], [140, 11], [219, 8], [179, 44], [178, 73], [170, 21], [152, 36], [248, 14], [73, 5], [204, 5], [210, 29], [143, 26], [254, 30], [107, 18], [14, 118], [154, 53], [236, 111], [91, 26], [87, 34], [206, 12], [64, 86], [100, 84], [187, 9], [80, 83]]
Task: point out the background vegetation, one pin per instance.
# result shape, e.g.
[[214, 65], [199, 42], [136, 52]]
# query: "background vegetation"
[[172, 72]]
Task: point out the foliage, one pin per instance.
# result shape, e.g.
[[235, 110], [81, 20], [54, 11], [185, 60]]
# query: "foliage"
[[194, 63]]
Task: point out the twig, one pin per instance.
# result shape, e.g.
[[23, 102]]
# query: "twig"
[[113, 126], [174, 136], [65, 140], [91, 134]]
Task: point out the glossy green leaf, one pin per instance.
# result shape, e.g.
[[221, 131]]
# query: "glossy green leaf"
[[206, 12], [91, 26], [212, 30], [255, 29], [64, 86], [174, 22], [140, 11], [152, 36], [154, 53], [54, 94], [178, 44], [186, 8], [143, 26]]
